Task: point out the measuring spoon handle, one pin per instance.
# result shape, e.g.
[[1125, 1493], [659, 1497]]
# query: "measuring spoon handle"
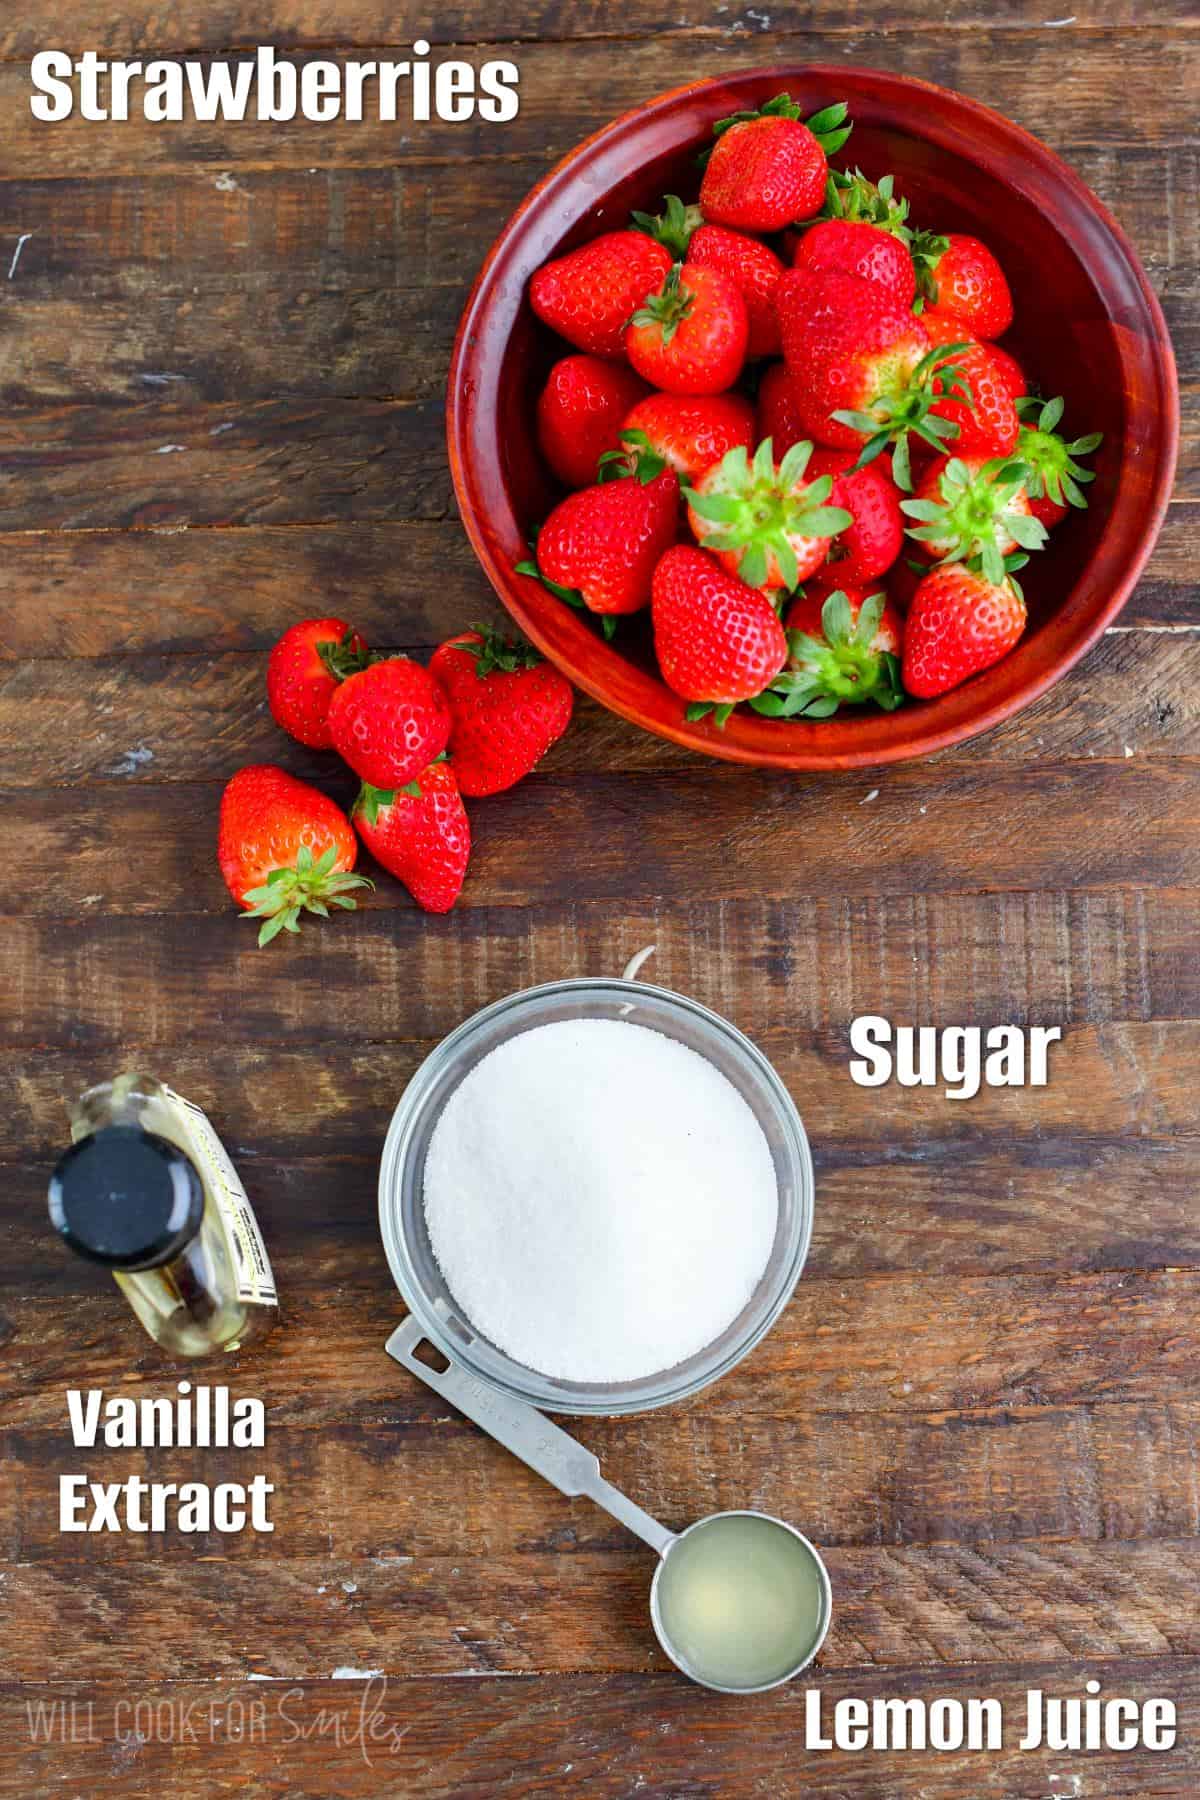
[[551, 1452]]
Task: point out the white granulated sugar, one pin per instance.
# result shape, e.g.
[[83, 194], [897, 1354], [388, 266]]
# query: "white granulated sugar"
[[601, 1200]]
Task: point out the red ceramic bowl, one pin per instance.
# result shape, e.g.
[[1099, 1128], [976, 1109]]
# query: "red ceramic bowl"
[[1088, 326]]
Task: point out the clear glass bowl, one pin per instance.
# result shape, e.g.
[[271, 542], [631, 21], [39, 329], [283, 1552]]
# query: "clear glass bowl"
[[402, 1184]]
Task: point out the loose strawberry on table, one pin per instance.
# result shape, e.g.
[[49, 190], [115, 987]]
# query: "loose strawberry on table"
[[717, 640], [690, 336], [766, 521], [843, 649], [1055, 473], [769, 169], [599, 547], [389, 721], [509, 707], [691, 431], [284, 848], [580, 413], [420, 833], [303, 672], [588, 295]]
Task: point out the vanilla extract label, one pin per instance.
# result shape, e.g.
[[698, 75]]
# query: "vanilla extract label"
[[193, 1419]]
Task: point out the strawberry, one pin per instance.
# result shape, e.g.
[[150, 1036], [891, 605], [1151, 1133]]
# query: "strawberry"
[[690, 337], [944, 328], [509, 706], [753, 267], [579, 414], [971, 509], [599, 547], [763, 519], [874, 538], [780, 416], [958, 623], [862, 249], [843, 649], [588, 295], [767, 169], [718, 641], [862, 230], [420, 833], [1054, 472], [389, 721], [987, 422], [960, 276], [862, 366], [284, 848], [691, 431], [303, 672]]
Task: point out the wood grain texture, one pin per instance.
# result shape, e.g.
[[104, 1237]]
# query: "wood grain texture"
[[222, 353], [603, 1736]]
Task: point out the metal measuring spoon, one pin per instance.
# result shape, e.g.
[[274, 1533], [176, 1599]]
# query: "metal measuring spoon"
[[709, 1578]]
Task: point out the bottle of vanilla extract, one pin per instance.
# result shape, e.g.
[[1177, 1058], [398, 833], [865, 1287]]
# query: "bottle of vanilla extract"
[[148, 1190]]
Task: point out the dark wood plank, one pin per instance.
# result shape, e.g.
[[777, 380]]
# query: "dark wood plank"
[[346, 282], [539, 1611], [435, 1486], [146, 721], [807, 965], [117, 25], [235, 590], [894, 1344], [639, 837], [270, 462], [966, 1206], [604, 1736], [1115, 99]]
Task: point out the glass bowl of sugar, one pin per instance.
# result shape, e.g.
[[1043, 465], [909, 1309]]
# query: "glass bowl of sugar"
[[596, 1196]]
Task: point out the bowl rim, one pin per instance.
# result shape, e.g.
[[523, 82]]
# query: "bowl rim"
[[485, 1361], [702, 736]]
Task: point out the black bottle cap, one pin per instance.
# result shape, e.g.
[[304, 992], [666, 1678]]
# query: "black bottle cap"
[[126, 1198]]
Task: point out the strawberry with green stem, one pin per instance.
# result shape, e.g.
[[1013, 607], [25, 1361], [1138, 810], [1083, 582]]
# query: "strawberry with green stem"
[[285, 848], [588, 294], [303, 672], [691, 432], [1055, 473], [420, 833], [599, 548], [717, 640], [959, 275], [762, 519], [843, 649], [690, 336], [509, 707], [861, 230], [768, 168], [973, 511], [960, 623], [863, 372], [751, 265], [580, 412]]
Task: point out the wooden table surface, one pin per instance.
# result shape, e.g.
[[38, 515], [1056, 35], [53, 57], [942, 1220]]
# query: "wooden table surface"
[[222, 352]]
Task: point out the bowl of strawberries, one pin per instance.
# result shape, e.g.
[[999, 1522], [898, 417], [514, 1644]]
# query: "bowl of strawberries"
[[813, 417]]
